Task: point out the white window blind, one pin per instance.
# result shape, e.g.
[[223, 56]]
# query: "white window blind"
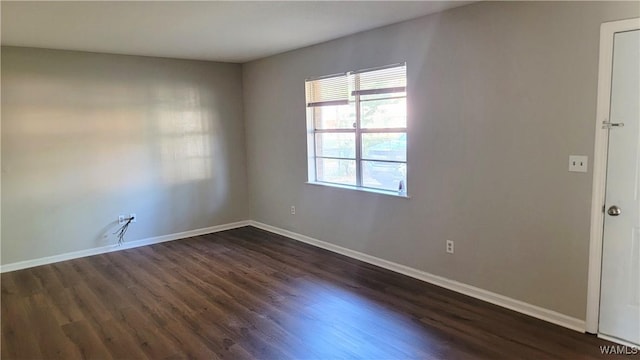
[[330, 90], [379, 81]]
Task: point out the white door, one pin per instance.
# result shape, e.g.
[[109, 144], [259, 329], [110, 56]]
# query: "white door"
[[620, 282]]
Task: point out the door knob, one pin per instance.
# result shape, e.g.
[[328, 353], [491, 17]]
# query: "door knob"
[[614, 211]]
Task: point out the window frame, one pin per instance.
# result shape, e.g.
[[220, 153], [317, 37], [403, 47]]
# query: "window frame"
[[357, 130]]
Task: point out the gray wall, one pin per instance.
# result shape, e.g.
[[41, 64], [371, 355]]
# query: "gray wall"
[[87, 136], [500, 94]]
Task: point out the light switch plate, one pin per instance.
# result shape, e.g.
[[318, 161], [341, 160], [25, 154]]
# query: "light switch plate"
[[578, 163]]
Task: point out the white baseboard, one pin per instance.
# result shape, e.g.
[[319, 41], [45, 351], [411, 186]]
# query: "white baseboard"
[[127, 245], [488, 296]]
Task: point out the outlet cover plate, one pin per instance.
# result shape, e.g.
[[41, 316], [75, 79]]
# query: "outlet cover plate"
[[578, 163], [450, 247]]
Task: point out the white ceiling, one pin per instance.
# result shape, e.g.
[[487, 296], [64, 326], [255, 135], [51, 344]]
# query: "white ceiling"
[[233, 31]]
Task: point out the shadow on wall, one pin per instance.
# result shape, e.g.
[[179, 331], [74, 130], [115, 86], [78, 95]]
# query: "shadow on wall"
[[185, 133], [190, 149], [81, 146]]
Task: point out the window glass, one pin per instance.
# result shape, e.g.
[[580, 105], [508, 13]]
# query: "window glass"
[[384, 175], [383, 113], [384, 146], [336, 171], [341, 145], [334, 116]]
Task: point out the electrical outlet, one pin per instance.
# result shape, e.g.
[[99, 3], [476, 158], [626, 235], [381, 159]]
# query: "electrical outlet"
[[293, 210], [122, 219], [450, 246], [578, 163]]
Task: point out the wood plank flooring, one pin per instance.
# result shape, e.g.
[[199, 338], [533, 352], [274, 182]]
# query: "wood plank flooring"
[[250, 294]]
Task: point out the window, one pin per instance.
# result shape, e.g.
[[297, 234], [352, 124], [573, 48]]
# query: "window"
[[358, 129]]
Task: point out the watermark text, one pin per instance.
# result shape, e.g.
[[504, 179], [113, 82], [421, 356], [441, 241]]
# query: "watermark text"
[[619, 350]]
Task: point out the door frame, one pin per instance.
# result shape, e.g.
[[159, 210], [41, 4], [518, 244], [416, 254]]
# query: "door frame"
[[605, 68]]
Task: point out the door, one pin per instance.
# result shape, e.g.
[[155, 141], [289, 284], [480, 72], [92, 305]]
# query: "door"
[[620, 282]]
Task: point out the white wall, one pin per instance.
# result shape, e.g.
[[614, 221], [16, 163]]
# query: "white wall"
[[500, 94], [88, 136]]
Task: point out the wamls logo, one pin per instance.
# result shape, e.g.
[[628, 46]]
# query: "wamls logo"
[[619, 350]]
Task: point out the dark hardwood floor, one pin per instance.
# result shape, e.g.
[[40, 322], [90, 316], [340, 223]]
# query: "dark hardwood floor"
[[250, 294]]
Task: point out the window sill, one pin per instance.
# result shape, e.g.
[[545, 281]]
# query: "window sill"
[[367, 190]]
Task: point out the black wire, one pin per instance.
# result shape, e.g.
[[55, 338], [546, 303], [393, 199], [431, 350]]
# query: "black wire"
[[123, 230]]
